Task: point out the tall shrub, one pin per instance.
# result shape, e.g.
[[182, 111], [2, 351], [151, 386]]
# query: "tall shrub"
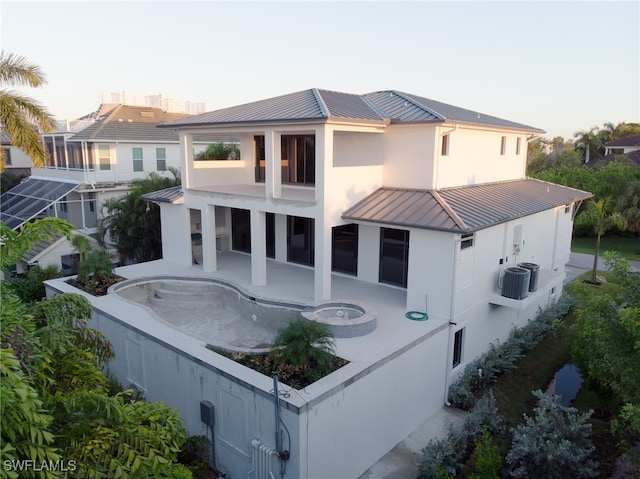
[[553, 444]]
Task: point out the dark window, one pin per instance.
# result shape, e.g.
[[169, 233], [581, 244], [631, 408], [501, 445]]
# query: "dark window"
[[344, 254], [503, 145], [466, 241], [457, 347], [300, 240], [518, 146], [394, 256], [161, 159], [61, 156], [445, 145], [270, 219], [240, 230], [260, 158], [7, 155], [299, 159]]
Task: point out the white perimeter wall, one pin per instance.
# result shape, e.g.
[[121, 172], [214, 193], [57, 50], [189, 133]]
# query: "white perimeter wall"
[[350, 430]]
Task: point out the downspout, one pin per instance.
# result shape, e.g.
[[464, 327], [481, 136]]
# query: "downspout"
[[456, 250], [439, 155]]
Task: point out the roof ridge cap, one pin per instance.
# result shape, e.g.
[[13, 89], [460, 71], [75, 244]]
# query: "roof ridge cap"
[[379, 111], [445, 206], [418, 104], [321, 104]]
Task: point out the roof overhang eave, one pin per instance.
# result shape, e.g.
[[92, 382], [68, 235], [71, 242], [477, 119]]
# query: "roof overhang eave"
[[405, 225]]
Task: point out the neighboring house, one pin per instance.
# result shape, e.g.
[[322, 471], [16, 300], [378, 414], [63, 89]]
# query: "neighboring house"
[[91, 159], [16, 161], [385, 196], [628, 146]]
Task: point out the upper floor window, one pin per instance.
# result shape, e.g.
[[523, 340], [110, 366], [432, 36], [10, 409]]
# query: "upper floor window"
[[104, 157], [503, 145], [517, 145], [137, 159], [258, 141], [445, 145], [299, 159], [161, 159], [6, 153]]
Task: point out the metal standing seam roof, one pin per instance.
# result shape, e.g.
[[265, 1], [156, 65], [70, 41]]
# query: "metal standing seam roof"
[[167, 195], [316, 104], [29, 199], [462, 209]]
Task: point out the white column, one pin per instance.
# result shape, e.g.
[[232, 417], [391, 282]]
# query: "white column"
[[272, 155], [258, 248], [209, 255], [322, 261], [186, 159], [322, 226]]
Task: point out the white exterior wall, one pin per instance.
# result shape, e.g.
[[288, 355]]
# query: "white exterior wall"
[[409, 156], [176, 234], [336, 432], [431, 256], [474, 158], [18, 158], [356, 171], [122, 161], [350, 430]]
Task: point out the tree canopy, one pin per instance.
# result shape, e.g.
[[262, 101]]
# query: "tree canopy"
[[135, 223], [57, 404], [21, 117]]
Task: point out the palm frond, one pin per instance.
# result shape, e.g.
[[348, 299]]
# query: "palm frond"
[[16, 70]]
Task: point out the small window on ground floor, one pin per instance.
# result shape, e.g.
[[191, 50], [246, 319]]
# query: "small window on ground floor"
[[458, 340]]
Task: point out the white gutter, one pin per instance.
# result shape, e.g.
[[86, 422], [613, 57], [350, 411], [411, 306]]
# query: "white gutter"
[[456, 250]]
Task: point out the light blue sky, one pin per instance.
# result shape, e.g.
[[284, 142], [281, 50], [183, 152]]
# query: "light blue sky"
[[559, 66]]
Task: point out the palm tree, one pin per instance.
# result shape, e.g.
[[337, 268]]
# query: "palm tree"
[[21, 117], [600, 216], [588, 143], [135, 223]]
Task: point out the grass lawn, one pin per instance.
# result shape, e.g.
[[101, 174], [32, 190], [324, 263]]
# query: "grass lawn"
[[629, 248]]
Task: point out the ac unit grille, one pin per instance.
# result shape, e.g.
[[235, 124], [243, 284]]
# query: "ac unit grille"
[[515, 284]]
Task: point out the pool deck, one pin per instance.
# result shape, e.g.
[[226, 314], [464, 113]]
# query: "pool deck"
[[294, 283]]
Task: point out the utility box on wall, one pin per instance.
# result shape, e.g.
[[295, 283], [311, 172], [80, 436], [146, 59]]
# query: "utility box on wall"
[[207, 413], [518, 235]]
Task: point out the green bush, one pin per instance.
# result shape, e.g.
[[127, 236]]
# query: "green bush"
[[553, 444], [305, 345], [30, 287], [447, 456], [480, 373]]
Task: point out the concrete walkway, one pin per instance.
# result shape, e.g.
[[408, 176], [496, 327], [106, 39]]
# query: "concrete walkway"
[[400, 462]]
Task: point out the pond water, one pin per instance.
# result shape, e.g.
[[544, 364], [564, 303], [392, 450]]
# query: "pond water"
[[567, 383]]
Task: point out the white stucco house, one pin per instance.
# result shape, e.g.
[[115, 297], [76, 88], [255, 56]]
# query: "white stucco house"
[[415, 208], [91, 159]]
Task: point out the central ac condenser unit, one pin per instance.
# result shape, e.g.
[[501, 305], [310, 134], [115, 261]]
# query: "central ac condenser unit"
[[515, 284]]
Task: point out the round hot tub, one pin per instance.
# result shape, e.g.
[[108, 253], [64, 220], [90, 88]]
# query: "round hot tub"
[[343, 319]]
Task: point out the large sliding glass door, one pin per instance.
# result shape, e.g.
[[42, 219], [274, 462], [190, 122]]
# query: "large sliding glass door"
[[394, 256], [344, 249], [300, 240], [240, 230]]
